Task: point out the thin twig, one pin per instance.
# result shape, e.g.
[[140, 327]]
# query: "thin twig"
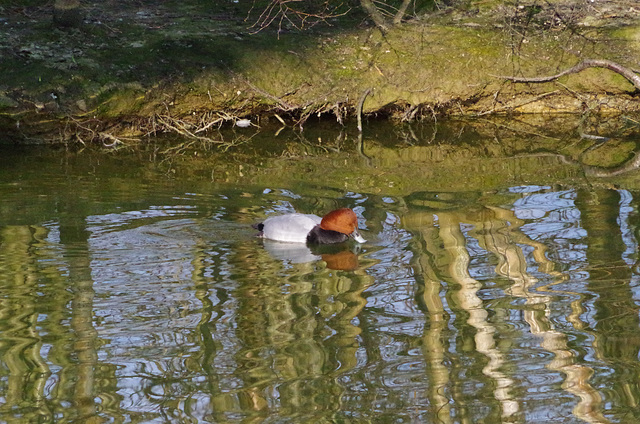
[[284, 105], [511, 107]]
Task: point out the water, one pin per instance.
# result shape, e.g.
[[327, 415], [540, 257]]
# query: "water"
[[494, 287]]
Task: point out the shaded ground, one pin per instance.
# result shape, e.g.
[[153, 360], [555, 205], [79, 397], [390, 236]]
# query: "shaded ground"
[[139, 68]]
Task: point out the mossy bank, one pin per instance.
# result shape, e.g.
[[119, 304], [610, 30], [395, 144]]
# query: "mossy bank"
[[146, 68]]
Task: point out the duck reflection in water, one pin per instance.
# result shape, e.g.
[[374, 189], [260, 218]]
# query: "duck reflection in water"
[[340, 256]]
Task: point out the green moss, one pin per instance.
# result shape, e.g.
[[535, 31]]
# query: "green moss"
[[630, 33], [120, 101], [610, 154]]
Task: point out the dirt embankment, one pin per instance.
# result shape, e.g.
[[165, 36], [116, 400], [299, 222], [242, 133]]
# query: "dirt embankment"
[[142, 68]]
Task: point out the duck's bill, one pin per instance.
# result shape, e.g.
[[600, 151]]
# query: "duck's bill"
[[357, 237]]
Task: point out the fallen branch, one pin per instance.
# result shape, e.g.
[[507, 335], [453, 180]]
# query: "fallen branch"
[[628, 73]]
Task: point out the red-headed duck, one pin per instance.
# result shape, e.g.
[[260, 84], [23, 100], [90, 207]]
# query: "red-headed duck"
[[335, 227]]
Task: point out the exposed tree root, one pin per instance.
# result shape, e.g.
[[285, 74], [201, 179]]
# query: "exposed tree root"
[[360, 105], [628, 73], [80, 131]]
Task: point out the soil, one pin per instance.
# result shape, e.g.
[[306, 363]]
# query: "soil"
[[138, 68]]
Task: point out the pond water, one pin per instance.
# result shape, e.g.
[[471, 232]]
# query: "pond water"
[[495, 286]]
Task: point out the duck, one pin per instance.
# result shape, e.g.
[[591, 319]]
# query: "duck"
[[335, 227]]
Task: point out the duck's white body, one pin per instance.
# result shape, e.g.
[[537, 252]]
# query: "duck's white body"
[[335, 227], [291, 228]]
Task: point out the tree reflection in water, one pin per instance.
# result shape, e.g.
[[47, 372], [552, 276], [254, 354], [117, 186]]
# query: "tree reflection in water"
[[143, 302]]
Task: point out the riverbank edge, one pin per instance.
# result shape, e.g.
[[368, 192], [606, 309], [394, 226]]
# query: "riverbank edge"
[[418, 70]]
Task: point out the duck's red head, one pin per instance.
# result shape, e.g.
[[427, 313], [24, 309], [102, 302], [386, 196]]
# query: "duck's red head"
[[342, 220]]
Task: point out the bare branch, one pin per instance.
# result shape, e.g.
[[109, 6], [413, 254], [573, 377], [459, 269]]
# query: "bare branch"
[[284, 11], [401, 11]]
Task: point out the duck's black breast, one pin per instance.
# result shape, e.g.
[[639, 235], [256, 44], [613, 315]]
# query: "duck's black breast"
[[319, 236], [260, 227]]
